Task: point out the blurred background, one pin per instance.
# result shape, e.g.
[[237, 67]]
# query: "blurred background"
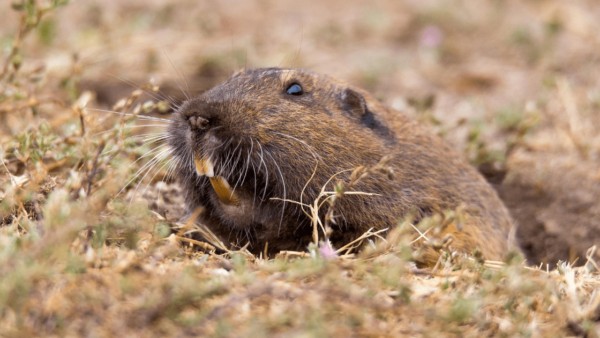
[[512, 84]]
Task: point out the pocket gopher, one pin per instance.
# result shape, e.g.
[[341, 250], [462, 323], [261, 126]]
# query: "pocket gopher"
[[251, 149]]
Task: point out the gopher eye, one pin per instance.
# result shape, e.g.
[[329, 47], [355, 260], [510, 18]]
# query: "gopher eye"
[[294, 89]]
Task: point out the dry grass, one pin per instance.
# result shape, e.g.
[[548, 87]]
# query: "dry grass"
[[83, 254]]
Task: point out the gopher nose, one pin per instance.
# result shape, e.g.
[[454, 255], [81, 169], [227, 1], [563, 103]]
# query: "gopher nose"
[[198, 122], [200, 115]]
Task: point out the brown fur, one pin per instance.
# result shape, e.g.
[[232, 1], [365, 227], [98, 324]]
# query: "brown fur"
[[268, 143]]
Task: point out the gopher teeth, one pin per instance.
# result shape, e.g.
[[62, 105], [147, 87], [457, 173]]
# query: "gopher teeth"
[[205, 167], [223, 190]]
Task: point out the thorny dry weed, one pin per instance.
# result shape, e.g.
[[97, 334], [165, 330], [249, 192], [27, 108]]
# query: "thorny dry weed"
[[82, 254]]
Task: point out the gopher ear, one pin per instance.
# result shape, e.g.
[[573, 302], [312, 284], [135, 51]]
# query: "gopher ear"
[[353, 103]]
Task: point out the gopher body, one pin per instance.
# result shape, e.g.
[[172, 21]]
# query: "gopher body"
[[249, 151]]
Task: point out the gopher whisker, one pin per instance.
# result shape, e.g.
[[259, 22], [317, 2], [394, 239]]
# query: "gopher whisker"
[[180, 74], [154, 94], [229, 168], [157, 151], [302, 142], [161, 156], [137, 116], [242, 177], [112, 130], [167, 163], [151, 138], [284, 190], [171, 169], [262, 162]]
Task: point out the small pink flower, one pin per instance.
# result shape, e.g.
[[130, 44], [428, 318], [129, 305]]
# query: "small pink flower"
[[431, 36], [327, 251]]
